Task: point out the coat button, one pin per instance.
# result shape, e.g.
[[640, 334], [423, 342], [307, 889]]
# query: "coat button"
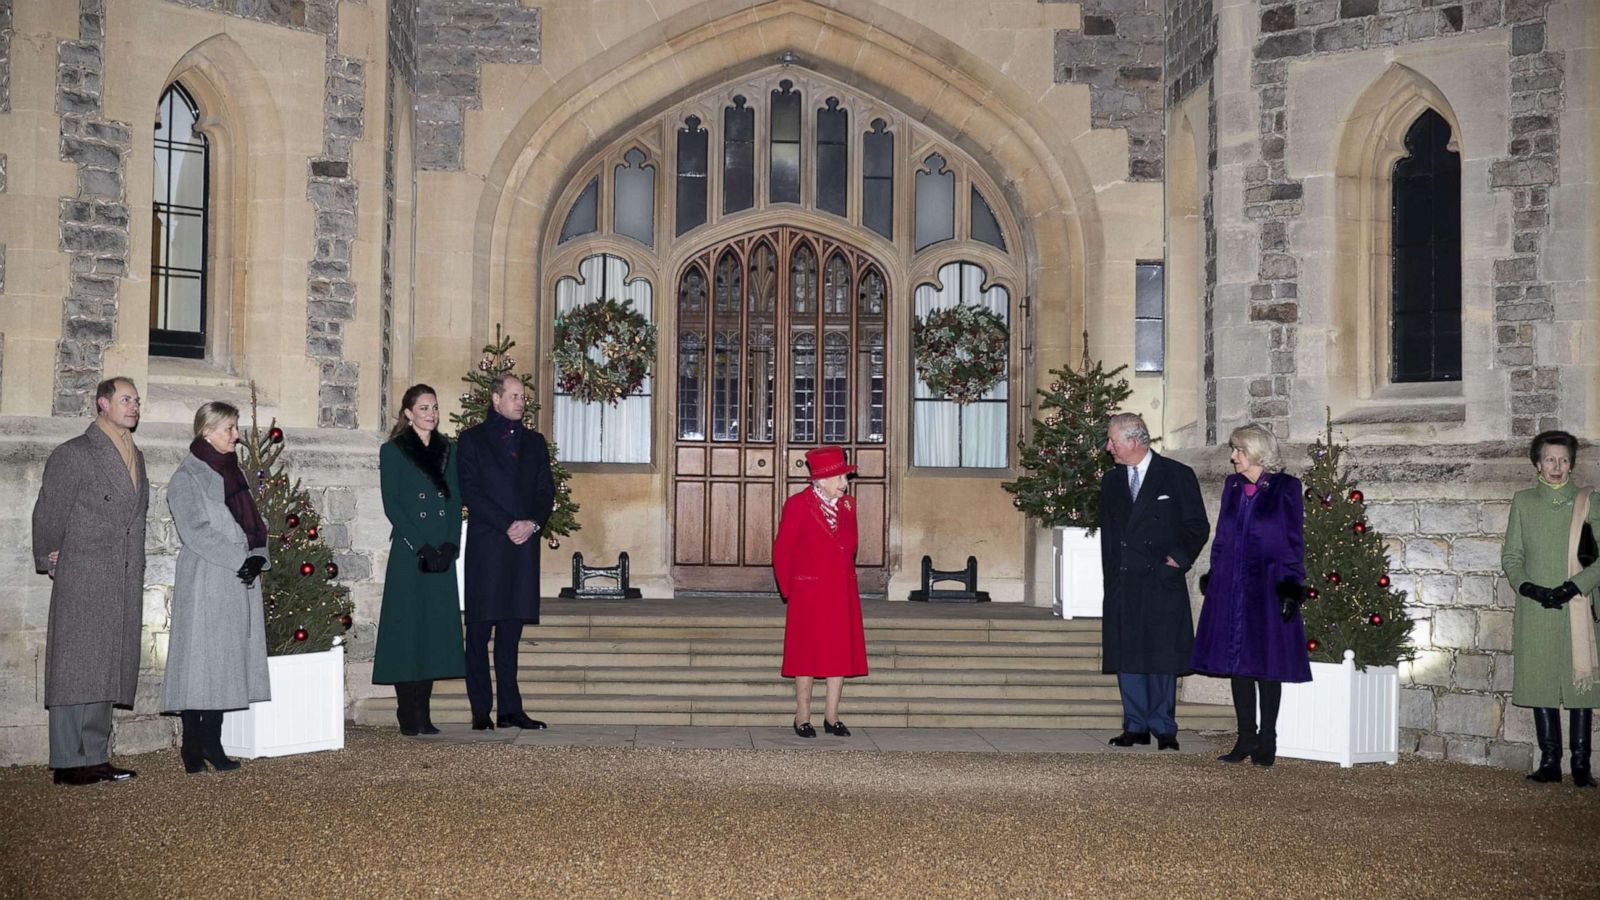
[[422, 496], [422, 515], [441, 513]]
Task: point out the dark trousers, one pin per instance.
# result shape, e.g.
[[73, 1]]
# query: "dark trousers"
[[1149, 702], [80, 735], [507, 640]]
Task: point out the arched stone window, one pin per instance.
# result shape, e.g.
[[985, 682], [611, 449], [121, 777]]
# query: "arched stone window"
[[602, 432], [1425, 284], [181, 202], [947, 434]]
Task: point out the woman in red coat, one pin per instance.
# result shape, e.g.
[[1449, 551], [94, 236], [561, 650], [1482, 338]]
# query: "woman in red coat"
[[814, 559]]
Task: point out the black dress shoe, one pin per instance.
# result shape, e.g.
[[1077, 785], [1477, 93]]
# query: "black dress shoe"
[[407, 731], [427, 728], [76, 776], [519, 720], [112, 773], [481, 723], [1167, 741], [1129, 738], [805, 730], [1242, 749], [836, 729]]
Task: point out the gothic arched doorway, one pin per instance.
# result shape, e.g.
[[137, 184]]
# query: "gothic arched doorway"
[[782, 344]]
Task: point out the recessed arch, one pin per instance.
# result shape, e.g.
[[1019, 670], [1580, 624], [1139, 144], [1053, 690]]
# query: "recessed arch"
[[1371, 140]]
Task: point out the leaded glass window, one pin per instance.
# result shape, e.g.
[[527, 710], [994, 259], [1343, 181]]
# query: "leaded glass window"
[[944, 433], [1425, 298], [738, 157], [985, 227], [692, 152], [784, 166], [833, 158], [1149, 317], [584, 216], [603, 432], [877, 179], [936, 203], [691, 354], [179, 253], [634, 186]]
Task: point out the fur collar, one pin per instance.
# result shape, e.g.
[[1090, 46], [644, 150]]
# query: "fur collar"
[[429, 457]]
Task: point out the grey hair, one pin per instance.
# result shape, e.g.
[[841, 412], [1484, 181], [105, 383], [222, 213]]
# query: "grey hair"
[[1259, 446], [498, 386], [1132, 427], [213, 414]]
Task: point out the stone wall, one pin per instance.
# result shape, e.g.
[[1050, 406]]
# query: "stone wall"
[[454, 38], [338, 468], [1191, 47], [1118, 54]]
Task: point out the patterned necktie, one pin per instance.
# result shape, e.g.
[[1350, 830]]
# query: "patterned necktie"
[[1133, 483]]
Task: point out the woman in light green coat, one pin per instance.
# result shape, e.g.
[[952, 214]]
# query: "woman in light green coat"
[[1551, 528]]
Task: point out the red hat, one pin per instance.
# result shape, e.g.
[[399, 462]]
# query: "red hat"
[[826, 462]]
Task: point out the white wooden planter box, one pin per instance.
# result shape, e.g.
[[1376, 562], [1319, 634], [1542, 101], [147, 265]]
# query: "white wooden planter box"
[[1342, 715], [1080, 590], [306, 712]]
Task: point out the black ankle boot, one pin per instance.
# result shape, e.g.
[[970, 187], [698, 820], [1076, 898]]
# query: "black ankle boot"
[[424, 713], [1266, 752], [1547, 730], [405, 707], [189, 751], [211, 748], [1243, 748], [1580, 721]]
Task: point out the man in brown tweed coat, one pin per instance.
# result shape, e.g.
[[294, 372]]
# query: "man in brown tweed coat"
[[88, 535]]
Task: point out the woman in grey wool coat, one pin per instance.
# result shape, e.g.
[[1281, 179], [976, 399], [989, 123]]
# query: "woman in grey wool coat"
[[217, 653]]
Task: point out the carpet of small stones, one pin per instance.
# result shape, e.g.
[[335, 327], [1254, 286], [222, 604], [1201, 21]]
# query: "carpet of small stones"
[[394, 817]]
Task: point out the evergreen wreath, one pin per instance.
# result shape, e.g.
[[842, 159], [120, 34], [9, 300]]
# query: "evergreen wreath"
[[627, 345], [961, 351]]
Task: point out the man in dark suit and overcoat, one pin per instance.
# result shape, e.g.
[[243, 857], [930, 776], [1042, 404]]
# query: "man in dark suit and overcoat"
[[88, 535], [1153, 526], [509, 494]]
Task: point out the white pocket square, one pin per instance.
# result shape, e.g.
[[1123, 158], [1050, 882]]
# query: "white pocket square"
[[1164, 497]]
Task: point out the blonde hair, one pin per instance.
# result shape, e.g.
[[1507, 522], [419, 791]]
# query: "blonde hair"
[[213, 414], [1259, 446]]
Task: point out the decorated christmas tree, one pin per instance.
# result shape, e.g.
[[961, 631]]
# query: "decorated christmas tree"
[[305, 610], [1066, 456], [480, 381], [1351, 603]]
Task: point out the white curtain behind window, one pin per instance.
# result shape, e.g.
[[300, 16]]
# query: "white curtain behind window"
[[600, 432], [946, 434]]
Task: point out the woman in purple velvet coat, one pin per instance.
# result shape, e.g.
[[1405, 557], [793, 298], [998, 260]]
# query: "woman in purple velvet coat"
[[1250, 628]]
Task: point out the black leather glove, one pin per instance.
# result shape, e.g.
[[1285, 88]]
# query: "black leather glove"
[[251, 569], [1539, 595], [427, 558], [1205, 579], [1290, 595], [1560, 595], [450, 551]]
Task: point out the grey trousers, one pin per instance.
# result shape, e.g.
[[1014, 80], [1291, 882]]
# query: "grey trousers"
[[80, 735]]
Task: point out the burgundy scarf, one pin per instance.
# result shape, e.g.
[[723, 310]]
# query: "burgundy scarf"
[[235, 490]]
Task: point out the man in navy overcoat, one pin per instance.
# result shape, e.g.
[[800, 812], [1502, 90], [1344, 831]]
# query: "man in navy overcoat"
[[509, 493], [1153, 526]]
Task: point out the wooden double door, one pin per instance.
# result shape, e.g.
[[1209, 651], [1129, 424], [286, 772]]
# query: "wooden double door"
[[781, 346]]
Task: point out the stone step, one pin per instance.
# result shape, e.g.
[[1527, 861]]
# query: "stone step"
[[764, 683], [867, 711], [655, 623], [749, 647], [609, 632], [772, 660]]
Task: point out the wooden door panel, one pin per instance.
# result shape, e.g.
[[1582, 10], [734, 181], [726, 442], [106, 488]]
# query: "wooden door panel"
[[758, 464], [689, 532], [869, 524], [691, 460], [724, 523], [758, 524]]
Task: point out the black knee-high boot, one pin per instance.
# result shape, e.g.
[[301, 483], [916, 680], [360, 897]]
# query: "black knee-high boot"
[[1547, 730], [424, 712], [405, 707], [1580, 721], [212, 748], [1244, 711], [1267, 735], [193, 738]]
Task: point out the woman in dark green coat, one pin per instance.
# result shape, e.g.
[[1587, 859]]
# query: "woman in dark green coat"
[[419, 633], [1549, 557]]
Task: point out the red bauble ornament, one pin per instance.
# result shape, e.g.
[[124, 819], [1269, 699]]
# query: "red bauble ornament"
[[1359, 528], [1333, 577], [292, 520], [1313, 644], [1383, 581], [307, 568], [333, 571], [311, 532], [1375, 619], [301, 634], [1312, 593], [275, 435], [345, 620], [1356, 497]]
